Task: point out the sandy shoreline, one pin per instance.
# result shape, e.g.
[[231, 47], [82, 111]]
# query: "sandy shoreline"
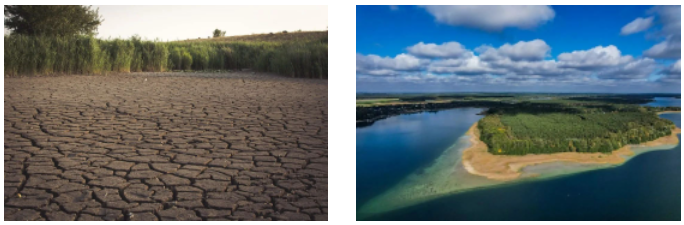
[[666, 112], [478, 161]]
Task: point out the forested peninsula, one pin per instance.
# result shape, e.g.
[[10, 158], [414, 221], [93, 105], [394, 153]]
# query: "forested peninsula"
[[532, 129]]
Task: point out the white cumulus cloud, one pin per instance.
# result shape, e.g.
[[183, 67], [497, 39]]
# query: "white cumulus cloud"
[[673, 73], [636, 26], [677, 67], [671, 19], [376, 65], [637, 69], [594, 58], [666, 49], [469, 66], [445, 50], [522, 51], [492, 17], [522, 63]]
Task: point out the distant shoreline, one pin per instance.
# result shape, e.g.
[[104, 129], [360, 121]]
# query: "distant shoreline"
[[478, 161]]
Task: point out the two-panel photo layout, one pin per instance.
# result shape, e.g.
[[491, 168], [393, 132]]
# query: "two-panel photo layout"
[[463, 113], [518, 113]]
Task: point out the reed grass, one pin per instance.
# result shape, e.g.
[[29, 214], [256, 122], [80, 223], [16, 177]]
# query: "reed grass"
[[31, 55]]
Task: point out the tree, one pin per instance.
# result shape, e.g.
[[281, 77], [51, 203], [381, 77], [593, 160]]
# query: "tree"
[[219, 33], [522, 129], [52, 20]]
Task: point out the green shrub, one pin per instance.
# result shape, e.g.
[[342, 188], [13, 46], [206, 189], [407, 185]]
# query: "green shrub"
[[200, 57], [175, 58], [121, 55], [187, 61]]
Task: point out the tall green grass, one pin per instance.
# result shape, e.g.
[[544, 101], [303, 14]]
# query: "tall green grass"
[[29, 55]]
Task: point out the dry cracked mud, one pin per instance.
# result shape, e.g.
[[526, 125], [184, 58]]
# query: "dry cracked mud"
[[229, 146]]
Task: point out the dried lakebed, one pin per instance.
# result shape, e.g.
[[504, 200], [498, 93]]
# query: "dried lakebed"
[[166, 146]]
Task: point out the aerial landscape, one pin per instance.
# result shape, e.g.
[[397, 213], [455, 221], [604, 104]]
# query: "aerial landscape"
[[541, 113], [110, 116]]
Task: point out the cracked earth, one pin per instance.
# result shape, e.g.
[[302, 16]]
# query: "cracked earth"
[[234, 146]]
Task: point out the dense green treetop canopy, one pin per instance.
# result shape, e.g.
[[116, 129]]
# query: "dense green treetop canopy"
[[535, 128], [219, 33], [52, 20]]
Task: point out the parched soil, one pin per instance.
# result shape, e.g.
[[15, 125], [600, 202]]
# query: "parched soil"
[[229, 146]]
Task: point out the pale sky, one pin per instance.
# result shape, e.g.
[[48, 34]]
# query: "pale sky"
[[182, 22]]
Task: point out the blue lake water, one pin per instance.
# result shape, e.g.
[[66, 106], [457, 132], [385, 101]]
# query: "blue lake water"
[[392, 148], [647, 187], [658, 101]]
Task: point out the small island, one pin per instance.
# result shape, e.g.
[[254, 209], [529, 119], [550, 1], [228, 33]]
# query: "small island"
[[511, 138], [478, 159]]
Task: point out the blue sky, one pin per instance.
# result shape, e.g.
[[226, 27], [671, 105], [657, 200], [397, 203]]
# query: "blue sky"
[[518, 48]]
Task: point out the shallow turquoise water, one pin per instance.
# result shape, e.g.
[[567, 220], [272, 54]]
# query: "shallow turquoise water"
[[393, 148]]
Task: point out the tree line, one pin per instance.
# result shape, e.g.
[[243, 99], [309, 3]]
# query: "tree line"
[[521, 131], [365, 116]]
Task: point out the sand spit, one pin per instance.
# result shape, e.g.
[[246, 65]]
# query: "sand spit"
[[478, 161], [668, 112]]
